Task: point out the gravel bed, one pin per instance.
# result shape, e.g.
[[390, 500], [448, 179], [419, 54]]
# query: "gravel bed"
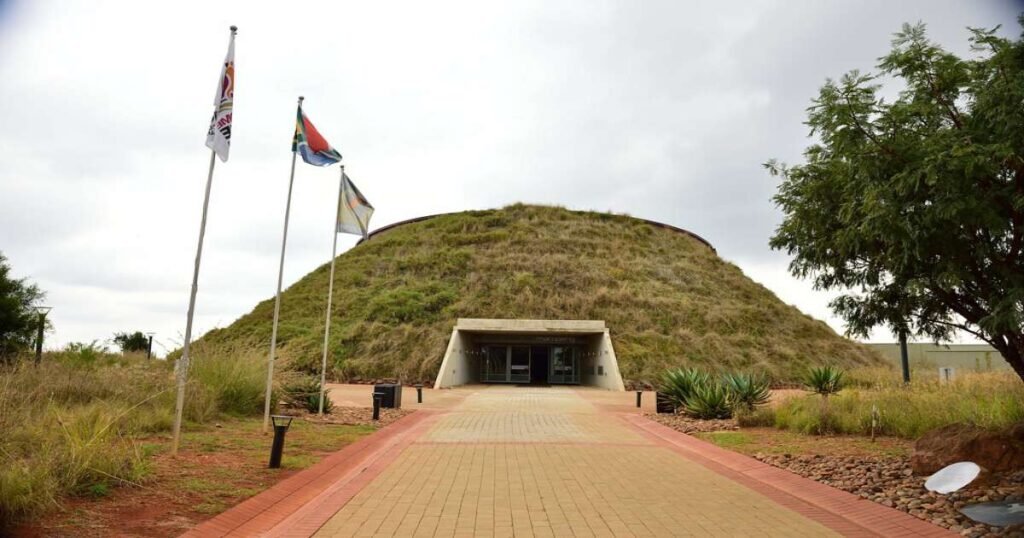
[[685, 424], [352, 416], [890, 482]]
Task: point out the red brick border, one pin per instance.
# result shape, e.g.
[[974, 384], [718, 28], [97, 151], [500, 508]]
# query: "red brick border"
[[301, 503], [838, 510]]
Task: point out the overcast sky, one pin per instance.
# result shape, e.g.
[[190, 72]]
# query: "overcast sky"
[[663, 110]]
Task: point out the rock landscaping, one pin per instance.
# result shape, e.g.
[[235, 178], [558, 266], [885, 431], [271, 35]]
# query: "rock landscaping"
[[362, 416], [685, 424], [891, 482]]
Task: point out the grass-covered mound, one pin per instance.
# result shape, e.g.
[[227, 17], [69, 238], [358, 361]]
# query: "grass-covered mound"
[[667, 298]]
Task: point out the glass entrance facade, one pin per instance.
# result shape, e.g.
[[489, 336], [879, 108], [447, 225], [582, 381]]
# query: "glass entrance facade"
[[552, 364]]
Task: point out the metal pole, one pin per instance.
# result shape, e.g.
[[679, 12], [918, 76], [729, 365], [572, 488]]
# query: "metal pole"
[[330, 291], [277, 299], [182, 368], [904, 359], [39, 338]]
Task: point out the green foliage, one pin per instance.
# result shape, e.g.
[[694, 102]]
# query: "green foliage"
[[237, 383], [989, 400], [824, 380], [679, 384], [82, 354], [917, 203], [69, 425], [304, 392], [747, 391], [128, 342], [702, 395], [668, 299], [18, 320], [709, 400]]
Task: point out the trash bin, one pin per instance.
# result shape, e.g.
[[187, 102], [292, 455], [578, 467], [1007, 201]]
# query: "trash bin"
[[392, 394], [663, 405]]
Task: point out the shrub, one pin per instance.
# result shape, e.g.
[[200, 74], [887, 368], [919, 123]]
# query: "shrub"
[[824, 380], [679, 384], [304, 392], [747, 391], [710, 400], [237, 382]]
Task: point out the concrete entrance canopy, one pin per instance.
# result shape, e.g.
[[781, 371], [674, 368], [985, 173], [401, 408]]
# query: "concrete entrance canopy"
[[555, 351]]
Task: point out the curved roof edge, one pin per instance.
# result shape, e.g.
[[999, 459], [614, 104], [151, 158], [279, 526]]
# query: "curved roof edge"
[[427, 217]]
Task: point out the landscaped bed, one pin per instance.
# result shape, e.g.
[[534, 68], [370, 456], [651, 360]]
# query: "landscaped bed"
[[219, 465], [877, 470]]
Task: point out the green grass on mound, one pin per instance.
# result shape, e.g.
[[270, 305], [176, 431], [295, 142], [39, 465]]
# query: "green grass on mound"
[[668, 299]]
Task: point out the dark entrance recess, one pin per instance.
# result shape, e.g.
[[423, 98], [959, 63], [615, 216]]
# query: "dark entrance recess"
[[539, 356]]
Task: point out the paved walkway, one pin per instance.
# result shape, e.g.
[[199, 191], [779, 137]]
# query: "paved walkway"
[[514, 461]]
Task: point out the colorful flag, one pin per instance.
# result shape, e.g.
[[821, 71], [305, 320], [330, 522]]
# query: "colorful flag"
[[218, 137], [354, 211], [310, 144]]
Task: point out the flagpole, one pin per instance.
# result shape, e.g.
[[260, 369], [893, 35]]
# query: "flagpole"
[[277, 298], [330, 292], [183, 361]]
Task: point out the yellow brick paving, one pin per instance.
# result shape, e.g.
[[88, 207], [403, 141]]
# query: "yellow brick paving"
[[528, 462]]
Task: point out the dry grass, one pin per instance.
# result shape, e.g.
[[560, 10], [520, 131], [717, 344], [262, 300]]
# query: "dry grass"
[[991, 400], [667, 298], [69, 425]]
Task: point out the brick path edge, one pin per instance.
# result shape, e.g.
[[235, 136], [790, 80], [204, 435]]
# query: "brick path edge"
[[842, 512]]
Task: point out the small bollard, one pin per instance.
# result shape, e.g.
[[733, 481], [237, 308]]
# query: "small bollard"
[[281, 424], [377, 396], [639, 394], [419, 392]]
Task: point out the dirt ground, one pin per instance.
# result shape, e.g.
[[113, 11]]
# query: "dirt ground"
[[218, 466]]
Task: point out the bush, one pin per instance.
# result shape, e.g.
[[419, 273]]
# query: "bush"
[[678, 384], [747, 391], [824, 380], [304, 393], [236, 382], [710, 400]]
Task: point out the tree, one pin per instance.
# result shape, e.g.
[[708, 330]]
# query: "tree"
[[18, 320], [914, 208], [129, 342]]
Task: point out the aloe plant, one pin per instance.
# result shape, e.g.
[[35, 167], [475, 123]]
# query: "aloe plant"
[[679, 384], [709, 401], [824, 380], [747, 391]]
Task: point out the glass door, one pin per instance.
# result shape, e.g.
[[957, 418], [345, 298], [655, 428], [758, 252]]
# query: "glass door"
[[565, 365], [519, 364], [496, 364]]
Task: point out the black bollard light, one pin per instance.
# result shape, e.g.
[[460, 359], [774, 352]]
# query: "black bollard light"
[[639, 394], [419, 392], [281, 424], [377, 396]]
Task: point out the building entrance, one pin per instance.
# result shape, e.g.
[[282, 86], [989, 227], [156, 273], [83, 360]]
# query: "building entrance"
[[533, 364]]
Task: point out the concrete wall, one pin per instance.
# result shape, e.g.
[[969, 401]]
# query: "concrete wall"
[[963, 357], [456, 368], [601, 369]]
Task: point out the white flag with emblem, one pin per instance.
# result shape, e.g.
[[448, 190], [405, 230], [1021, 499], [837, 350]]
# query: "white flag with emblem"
[[218, 138]]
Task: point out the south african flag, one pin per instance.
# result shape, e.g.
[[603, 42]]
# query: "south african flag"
[[311, 145]]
